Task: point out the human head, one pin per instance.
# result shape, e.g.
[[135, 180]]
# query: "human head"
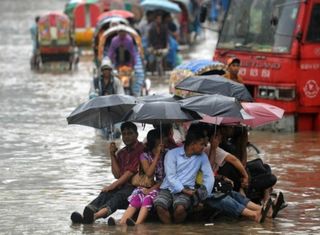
[[36, 19], [195, 141], [129, 133], [153, 139], [233, 65], [158, 17], [150, 16], [215, 134], [106, 69], [122, 33], [205, 128]]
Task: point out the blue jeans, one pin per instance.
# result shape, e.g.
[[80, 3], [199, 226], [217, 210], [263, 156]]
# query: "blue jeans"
[[232, 204], [112, 200]]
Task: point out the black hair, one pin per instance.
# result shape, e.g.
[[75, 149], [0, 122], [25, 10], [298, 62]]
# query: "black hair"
[[37, 18], [193, 135], [129, 125], [205, 128], [152, 137]]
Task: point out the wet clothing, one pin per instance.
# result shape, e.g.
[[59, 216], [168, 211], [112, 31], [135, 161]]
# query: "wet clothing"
[[98, 88], [158, 37], [34, 37], [128, 160], [138, 199], [122, 51], [231, 205], [181, 171], [159, 171], [166, 200], [112, 200], [228, 75]]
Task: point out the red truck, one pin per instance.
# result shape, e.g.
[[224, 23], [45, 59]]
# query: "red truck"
[[278, 43]]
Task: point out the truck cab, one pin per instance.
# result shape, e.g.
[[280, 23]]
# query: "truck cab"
[[278, 43]]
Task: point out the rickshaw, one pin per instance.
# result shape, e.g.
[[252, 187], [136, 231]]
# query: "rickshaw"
[[85, 18], [133, 78], [104, 24], [190, 68], [55, 44]]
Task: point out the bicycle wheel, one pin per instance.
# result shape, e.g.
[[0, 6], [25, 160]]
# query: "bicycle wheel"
[[252, 149]]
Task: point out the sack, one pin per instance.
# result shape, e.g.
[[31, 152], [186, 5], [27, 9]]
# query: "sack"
[[142, 180]]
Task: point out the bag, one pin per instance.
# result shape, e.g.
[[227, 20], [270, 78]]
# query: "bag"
[[142, 180], [221, 187]]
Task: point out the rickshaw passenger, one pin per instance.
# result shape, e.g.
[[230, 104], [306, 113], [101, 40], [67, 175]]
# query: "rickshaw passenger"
[[122, 50]]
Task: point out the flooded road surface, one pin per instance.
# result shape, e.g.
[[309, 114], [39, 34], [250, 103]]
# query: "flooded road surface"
[[50, 169]]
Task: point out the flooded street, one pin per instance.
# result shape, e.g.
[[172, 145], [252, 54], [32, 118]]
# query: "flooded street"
[[50, 169]]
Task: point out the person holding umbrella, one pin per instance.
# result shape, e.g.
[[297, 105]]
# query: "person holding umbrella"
[[124, 165]]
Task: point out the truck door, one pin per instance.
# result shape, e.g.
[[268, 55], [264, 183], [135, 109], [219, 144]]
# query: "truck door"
[[309, 79]]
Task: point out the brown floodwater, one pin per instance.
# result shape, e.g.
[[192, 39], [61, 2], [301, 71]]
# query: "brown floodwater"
[[50, 169]]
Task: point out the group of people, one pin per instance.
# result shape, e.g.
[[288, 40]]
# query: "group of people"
[[186, 179]]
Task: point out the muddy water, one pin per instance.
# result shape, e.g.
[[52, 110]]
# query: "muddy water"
[[49, 169]]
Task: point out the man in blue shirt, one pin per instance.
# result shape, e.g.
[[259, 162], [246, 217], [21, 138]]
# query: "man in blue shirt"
[[181, 167]]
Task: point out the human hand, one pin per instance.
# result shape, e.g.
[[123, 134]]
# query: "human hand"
[[113, 149], [189, 192], [145, 191], [245, 182], [228, 180], [159, 150], [106, 188]]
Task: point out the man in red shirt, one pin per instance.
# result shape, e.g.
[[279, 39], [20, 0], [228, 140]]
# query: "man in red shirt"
[[124, 165]]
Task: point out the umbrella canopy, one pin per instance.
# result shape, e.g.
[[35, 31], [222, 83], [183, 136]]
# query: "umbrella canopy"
[[160, 112], [159, 97], [215, 106], [165, 5], [119, 13], [102, 111], [263, 113], [215, 84], [198, 67], [73, 3]]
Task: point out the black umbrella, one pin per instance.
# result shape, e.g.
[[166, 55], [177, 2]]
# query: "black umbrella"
[[159, 97], [102, 111], [215, 84], [160, 112], [215, 106]]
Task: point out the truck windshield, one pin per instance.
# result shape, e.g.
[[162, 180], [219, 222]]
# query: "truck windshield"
[[255, 25]]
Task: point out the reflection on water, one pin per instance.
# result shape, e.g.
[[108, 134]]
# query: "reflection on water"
[[49, 169]]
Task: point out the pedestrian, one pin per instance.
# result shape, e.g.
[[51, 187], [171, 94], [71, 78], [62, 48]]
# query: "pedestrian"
[[34, 38], [233, 67], [124, 165]]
